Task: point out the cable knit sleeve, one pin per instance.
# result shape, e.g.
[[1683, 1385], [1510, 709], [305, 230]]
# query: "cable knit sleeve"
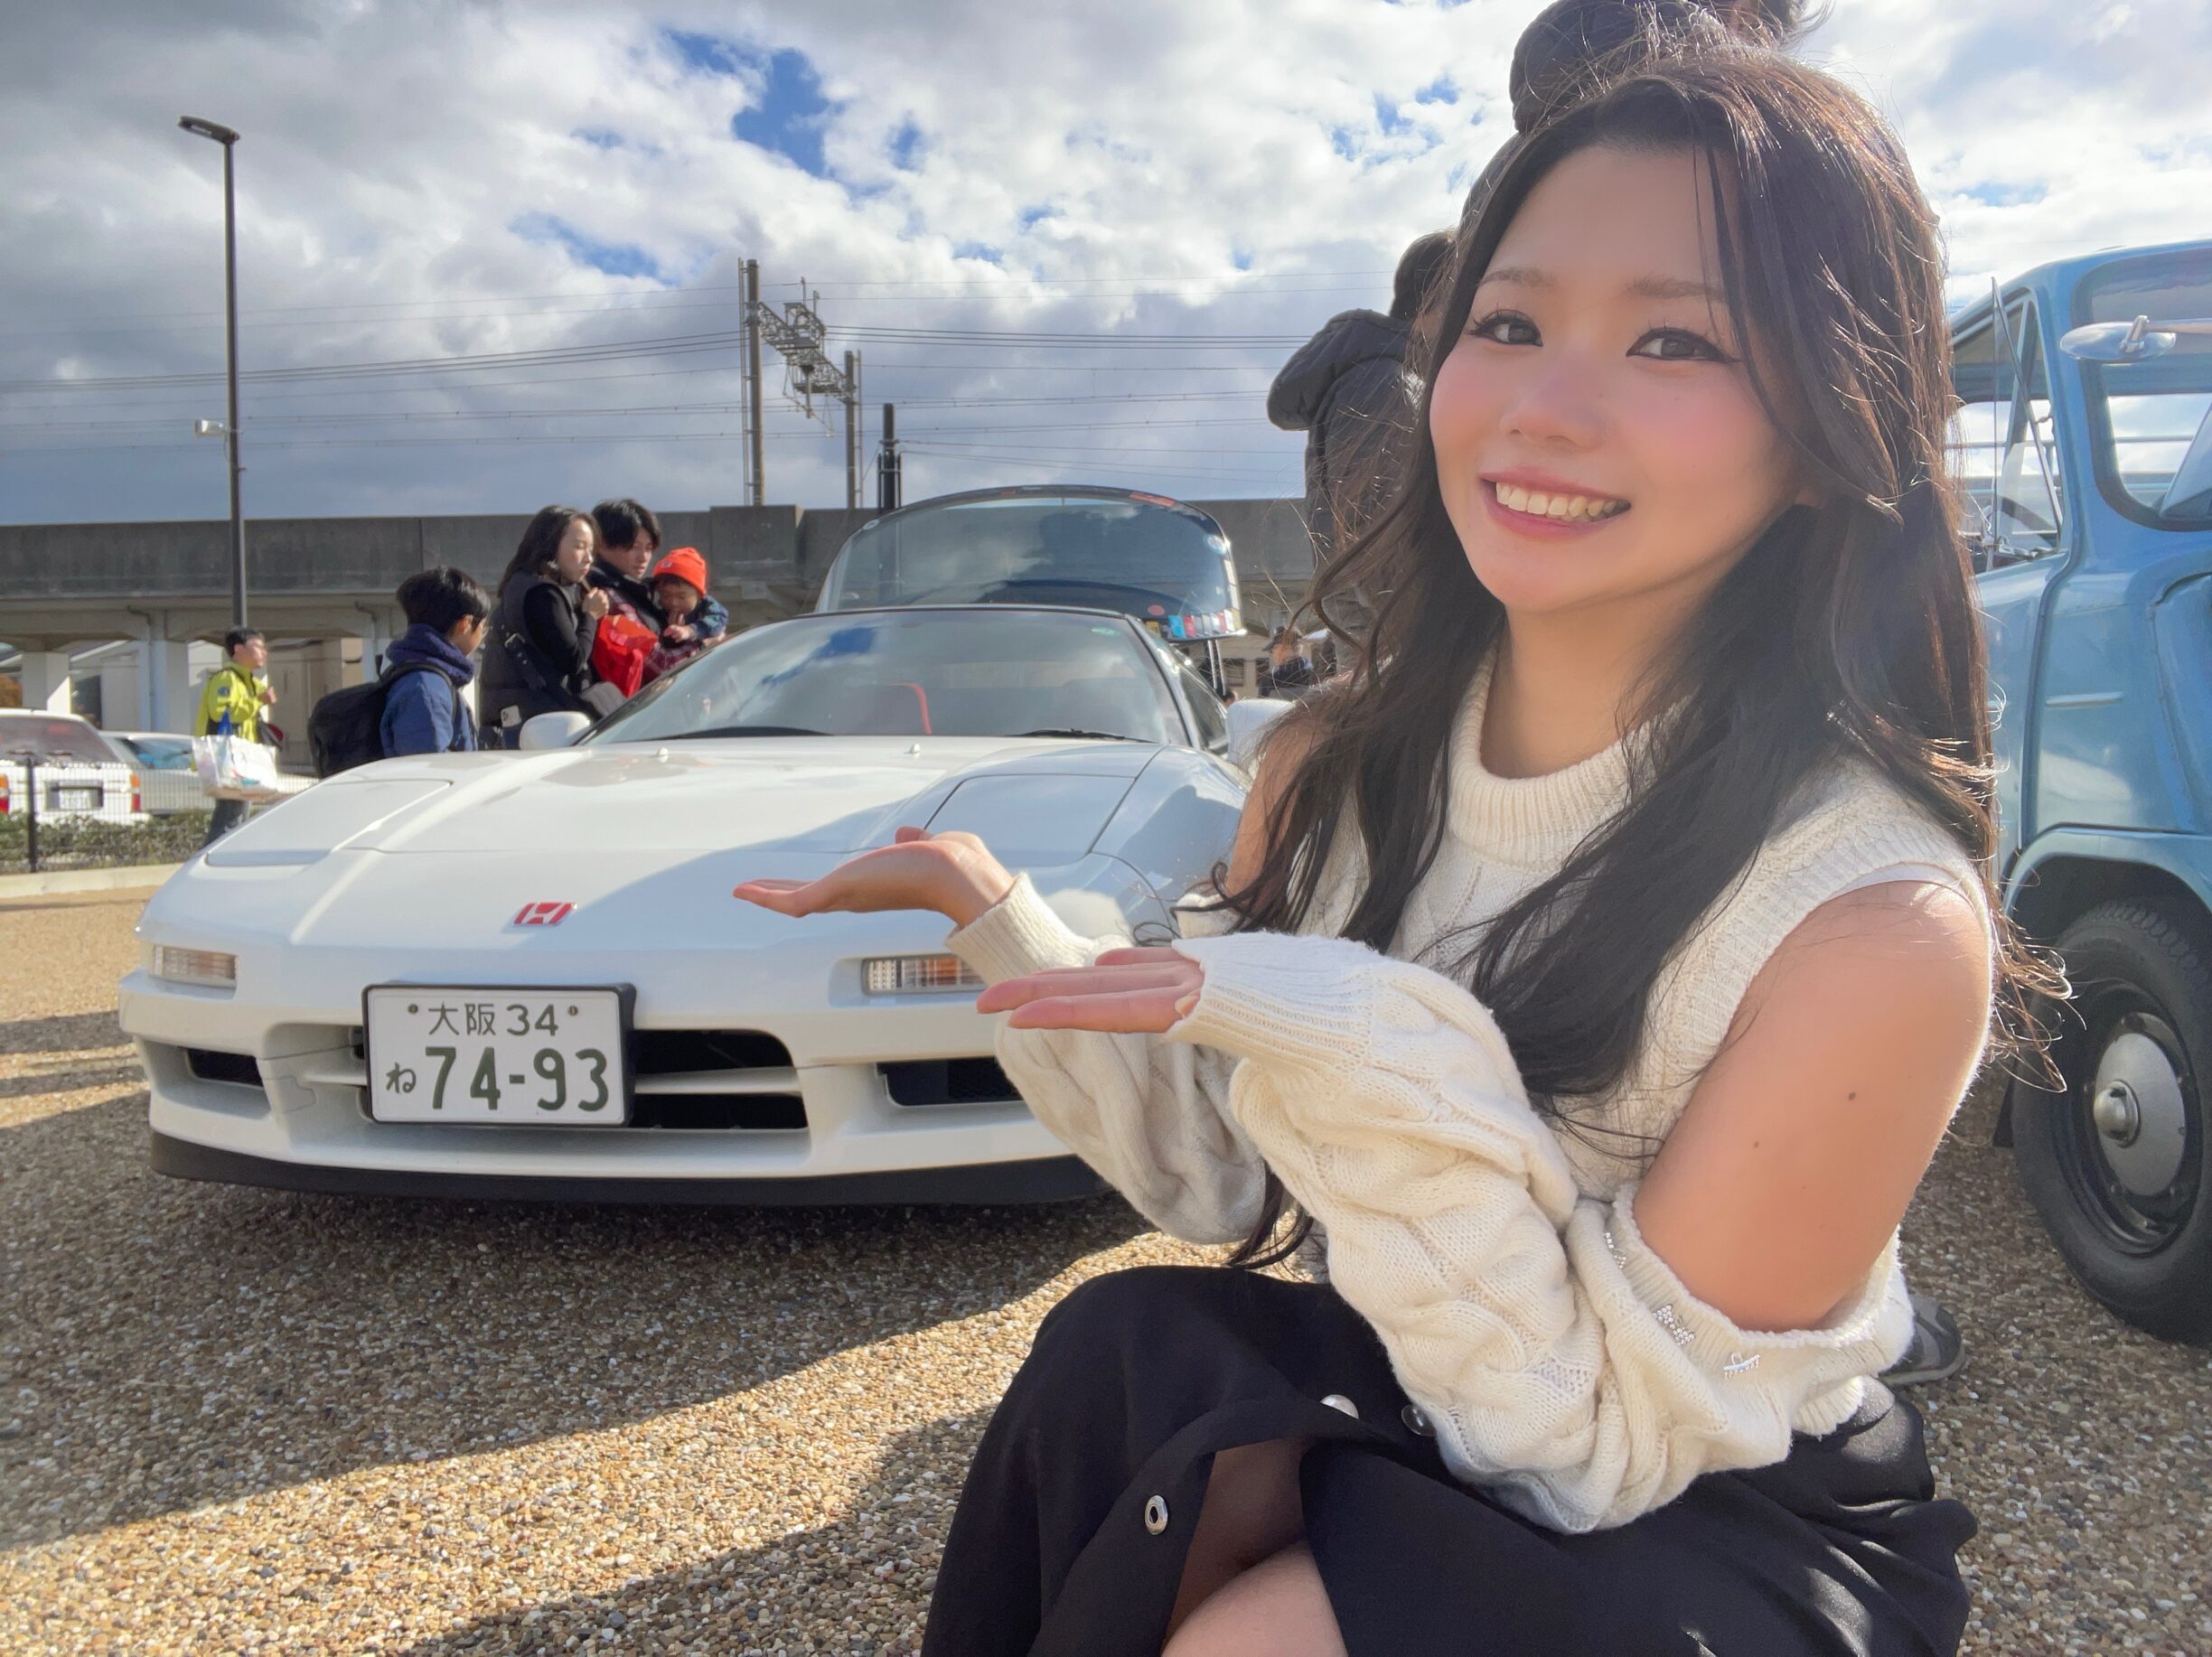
[[1561, 1362], [1149, 1115]]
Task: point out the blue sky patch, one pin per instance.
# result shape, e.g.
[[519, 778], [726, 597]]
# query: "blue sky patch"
[[1387, 117], [709, 52], [2018, 194], [1031, 216], [906, 146], [600, 137], [616, 258], [789, 119], [978, 250], [789, 114], [1438, 91]]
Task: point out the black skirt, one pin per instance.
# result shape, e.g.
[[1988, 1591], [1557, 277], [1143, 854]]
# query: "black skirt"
[[1070, 1537]]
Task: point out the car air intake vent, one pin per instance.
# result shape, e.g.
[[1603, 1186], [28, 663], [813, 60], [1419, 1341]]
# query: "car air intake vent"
[[753, 1112], [948, 1082], [675, 1052], [234, 1067]]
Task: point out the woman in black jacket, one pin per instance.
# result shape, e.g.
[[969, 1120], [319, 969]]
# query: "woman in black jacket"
[[537, 655]]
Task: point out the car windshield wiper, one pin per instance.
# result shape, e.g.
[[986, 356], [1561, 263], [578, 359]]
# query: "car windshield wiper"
[[731, 730], [1068, 730]]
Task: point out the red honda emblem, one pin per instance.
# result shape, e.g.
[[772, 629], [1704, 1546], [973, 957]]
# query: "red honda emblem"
[[543, 914]]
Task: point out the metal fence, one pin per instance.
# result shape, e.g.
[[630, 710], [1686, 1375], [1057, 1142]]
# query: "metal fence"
[[62, 814]]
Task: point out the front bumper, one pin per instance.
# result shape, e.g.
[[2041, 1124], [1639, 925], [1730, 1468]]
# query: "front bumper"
[[1049, 1179], [268, 1083], [286, 1104]]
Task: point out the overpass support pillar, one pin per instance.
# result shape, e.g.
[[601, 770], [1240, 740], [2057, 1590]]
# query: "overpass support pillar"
[[46, 680], [165, 679], [376, 638]]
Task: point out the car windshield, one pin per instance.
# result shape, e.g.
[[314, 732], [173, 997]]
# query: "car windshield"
[[161, 753], [913, 673], [55, 739], [1165, 564], [2154, 448]]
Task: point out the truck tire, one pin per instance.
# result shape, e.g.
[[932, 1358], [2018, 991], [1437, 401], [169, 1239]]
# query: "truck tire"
[[2117, 1164]]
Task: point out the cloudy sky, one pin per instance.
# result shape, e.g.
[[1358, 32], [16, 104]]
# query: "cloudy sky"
[[504, 241]]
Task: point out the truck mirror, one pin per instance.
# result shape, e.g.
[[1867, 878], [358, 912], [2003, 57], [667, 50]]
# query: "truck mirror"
[[2135, 341]]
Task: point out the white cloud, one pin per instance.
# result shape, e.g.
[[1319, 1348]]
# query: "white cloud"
[[1149, 168]]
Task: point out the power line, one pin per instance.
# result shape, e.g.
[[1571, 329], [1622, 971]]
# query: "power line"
[[980, 285], [675, 346], [1031, 296]]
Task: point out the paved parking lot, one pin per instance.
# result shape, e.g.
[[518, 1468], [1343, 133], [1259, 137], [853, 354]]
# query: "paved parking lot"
[[235, 1421]]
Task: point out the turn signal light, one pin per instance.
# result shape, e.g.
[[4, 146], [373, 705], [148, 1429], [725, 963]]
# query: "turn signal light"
[[902, 975], [209, 968]]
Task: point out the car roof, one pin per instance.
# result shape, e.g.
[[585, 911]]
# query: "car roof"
[[937, 609], [1049, 491]]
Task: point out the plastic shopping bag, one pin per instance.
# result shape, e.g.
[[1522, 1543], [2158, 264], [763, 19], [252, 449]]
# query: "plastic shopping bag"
[[619, 651], [231, 768]]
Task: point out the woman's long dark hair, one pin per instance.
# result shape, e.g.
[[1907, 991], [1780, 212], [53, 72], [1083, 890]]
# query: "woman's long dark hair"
[[541, 542], [1850, 628]]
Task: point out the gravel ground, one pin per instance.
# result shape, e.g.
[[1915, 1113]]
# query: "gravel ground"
[[243, 1422]]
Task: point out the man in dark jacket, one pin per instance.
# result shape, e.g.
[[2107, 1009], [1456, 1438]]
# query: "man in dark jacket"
[[1346, 389], [629, 537]]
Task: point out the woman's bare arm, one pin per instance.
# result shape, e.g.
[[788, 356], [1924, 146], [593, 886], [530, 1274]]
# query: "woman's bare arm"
[[1803, 1144]]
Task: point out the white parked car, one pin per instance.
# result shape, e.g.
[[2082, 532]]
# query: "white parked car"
[[80, 775], [168, 782], [524, 975]]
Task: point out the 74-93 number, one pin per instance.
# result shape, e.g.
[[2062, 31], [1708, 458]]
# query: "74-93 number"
[[551, 1065]]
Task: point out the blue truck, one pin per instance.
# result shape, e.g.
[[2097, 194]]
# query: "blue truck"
[[2083, 438]]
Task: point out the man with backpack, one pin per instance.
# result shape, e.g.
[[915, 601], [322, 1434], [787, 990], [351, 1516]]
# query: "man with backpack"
[[428, 666], [415, 705]]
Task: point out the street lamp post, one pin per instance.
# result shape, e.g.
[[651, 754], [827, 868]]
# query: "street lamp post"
[[225, 136]]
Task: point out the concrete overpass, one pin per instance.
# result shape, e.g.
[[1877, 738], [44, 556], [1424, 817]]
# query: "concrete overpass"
[[164, 585]]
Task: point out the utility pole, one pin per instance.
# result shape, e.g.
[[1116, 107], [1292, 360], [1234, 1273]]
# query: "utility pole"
[[801, 337], [852, 432], [227, 138], [886, 462], [753, 374]]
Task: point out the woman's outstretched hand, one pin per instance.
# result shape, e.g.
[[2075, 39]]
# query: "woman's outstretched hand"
[[953, 873], [1130, 992], [1136, 991]]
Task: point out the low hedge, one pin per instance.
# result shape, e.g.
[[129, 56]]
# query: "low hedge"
[[81, 843]]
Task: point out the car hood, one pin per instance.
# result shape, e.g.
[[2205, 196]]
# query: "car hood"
[[657, 802]]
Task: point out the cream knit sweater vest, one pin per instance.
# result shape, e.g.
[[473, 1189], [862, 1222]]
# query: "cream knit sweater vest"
[[1564, 1366], [1506, 835]]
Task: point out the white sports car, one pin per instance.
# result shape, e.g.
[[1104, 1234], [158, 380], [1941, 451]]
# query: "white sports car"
[[524, 975]]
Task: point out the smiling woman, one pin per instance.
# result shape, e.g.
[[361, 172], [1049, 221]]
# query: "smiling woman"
[[1599, 965]]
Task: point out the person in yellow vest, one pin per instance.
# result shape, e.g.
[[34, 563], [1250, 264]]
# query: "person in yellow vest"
[[231, 704]]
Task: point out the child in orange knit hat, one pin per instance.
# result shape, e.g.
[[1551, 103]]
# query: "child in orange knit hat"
[[694, 620]]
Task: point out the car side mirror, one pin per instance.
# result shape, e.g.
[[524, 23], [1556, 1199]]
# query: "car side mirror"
[[558, 730]]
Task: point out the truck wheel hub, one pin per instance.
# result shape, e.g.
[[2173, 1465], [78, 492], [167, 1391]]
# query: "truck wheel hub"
[[2140, 1115]]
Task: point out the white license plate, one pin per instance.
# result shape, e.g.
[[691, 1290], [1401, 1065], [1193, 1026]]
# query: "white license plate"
[[516, 1057], [78, 799]]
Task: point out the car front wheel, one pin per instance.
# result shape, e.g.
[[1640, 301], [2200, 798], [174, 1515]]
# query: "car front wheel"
[[2116, 1164]]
